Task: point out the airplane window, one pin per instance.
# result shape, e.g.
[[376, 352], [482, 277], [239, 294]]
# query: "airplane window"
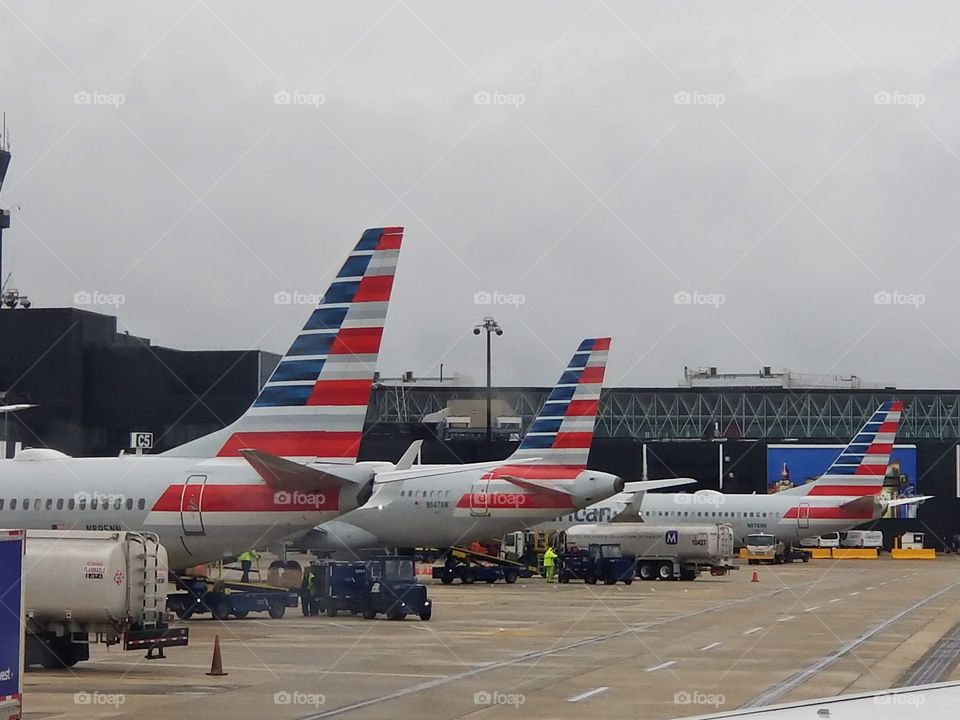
[[48, 505], [70, 504], [13, 504], [117, 503], [448, 493], [141, 503], [93, 503], [764, 514], [59, 504], [129, 503], [83, 503], [26, 504], [1, 503], [36, 505]]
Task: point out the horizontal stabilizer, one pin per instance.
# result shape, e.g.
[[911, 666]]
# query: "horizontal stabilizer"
[[643, 485], [906, 501], [15, 408], [536, 486], [290, 476]]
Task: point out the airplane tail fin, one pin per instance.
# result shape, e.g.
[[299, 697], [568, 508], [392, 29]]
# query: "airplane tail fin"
[[563, 431], [862, 465], [315, 403]]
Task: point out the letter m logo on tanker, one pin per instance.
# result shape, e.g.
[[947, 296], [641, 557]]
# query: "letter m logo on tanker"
[[671, 537]]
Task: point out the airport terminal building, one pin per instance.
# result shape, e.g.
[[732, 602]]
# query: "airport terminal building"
[[94, 386]]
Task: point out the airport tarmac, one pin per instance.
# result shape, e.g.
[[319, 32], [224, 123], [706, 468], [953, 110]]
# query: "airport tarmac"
[[535, 650]]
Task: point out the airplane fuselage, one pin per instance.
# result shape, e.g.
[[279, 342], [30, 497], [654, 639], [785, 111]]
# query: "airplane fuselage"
[[455, 507], [202, 510]]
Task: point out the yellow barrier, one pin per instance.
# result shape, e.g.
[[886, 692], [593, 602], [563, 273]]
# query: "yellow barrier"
[[854, 553], [913, 554], [743, 553], [820, 553]]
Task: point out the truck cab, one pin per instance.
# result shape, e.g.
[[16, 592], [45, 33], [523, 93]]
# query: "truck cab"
[[764, 547]]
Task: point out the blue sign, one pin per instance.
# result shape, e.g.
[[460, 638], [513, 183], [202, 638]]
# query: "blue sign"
[[671, 537], [11, 614]]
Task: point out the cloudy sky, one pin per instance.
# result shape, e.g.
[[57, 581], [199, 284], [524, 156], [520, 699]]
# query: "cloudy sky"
[[735, 184]]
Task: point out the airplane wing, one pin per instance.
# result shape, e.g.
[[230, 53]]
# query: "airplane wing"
[[15, 408], [290, 476], [407, 459], [644, 485]]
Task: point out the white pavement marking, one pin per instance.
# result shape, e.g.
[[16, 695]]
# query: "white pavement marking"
[[661, 666], [854, 593], [588, 694], [815, 607], [711, 646], [871, 587], [751, 631], [836, 600], [788, 618]]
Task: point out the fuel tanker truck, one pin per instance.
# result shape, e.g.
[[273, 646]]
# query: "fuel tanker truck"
[[91, 586], [664, 552]]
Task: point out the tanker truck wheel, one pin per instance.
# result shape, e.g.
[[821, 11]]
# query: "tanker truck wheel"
[[221, 609], [647, 571], [665, 571]]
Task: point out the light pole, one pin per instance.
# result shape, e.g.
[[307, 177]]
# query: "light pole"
[[491, 326]]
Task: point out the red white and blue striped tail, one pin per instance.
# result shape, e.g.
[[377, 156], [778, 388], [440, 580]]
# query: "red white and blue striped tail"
[[862, 465], [314, 405], [563, 431]]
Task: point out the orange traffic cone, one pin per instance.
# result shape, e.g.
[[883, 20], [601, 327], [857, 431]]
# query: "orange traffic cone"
[[216, 666], [756, 577]]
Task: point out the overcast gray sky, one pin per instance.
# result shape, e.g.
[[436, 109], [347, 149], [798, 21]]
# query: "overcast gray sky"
[[779, 162]]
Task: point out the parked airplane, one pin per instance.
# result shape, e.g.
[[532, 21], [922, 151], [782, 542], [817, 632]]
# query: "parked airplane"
[[845, 496], [446, 505], [232, 490]]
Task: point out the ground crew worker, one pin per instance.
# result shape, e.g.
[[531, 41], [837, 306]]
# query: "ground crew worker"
[[246, 562], [549, 563]]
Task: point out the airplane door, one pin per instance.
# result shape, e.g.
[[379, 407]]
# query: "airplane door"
[[479, 499], [803, 516], [190, 502]]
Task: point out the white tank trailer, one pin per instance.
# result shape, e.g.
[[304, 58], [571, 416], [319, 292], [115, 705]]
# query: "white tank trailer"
[[664, 552], [87, 586]]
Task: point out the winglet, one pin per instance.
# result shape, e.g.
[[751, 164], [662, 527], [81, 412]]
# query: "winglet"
[[409, 457]]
